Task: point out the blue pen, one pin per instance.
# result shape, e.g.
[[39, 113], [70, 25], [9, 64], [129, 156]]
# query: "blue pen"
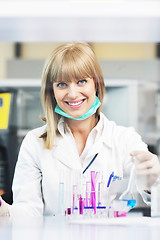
[[110, 178], [116, 178], [90, 163]]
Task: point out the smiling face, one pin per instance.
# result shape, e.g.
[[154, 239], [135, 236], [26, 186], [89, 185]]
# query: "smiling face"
[[75, 97], [71, 66]]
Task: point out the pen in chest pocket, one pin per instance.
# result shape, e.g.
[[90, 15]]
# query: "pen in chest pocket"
[[93, 159]]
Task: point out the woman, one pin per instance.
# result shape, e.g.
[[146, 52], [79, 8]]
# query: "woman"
[[75, 131]]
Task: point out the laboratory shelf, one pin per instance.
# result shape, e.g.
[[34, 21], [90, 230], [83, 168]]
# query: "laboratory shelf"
[[20, 83]]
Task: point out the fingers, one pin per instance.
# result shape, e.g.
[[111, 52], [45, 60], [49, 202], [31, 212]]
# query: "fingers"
[[146, 171], [147, 167], [141, 155], [148, 164]]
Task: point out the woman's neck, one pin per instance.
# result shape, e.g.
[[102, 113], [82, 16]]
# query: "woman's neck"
[[82, 126], [81, 129]]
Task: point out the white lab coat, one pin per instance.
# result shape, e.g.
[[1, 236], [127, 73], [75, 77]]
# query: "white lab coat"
[[36, 179]]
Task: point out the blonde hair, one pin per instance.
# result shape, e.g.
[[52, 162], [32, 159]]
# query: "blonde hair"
[[68, 61]]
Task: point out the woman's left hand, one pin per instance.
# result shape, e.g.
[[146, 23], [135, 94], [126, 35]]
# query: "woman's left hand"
[[147, 168]]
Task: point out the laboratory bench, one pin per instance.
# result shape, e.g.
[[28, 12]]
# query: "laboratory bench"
[[59, 228]]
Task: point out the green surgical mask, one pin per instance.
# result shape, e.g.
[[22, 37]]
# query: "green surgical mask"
[[90, 112]]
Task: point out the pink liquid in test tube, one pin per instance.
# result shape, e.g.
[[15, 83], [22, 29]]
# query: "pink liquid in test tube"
[[81, 205], [93, 195]]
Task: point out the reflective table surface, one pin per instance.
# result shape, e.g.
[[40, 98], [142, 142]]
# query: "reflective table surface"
[[59, 228]]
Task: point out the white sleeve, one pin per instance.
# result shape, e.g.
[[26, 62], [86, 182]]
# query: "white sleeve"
[[133, 142], [27, 194]]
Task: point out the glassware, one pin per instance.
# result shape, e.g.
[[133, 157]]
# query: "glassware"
[[128, 194]]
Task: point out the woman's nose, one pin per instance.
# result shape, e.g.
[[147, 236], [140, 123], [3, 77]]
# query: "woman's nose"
[[72, 91]]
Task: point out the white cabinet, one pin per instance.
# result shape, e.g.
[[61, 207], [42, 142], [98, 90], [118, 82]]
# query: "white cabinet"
[[121, 102]]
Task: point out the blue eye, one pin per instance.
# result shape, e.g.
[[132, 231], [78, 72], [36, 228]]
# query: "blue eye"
[[62, 85], [82, 82]]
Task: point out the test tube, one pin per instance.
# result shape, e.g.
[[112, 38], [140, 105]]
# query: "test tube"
[[61, 194], [75, 198], [69, 192], [99, 193], [88, 189], [93, 195], [81, 205]]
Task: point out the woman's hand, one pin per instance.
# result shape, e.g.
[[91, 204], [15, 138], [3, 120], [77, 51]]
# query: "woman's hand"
[[3, 208], [147, 168]]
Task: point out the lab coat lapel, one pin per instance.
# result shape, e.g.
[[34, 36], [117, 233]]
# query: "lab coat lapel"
[[96, 148], [67, 154]]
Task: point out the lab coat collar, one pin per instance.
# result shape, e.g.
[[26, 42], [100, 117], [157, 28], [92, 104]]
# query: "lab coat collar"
[[104, 129], [64, 145], [62, 126], [62, 152]]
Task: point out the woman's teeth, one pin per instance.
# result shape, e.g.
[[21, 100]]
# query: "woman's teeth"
[[75, 104]]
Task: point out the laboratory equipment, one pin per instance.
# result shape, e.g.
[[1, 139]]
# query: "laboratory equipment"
[[128, 195], [91, 195], [61, 198], [81, 205], [119, 208]]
